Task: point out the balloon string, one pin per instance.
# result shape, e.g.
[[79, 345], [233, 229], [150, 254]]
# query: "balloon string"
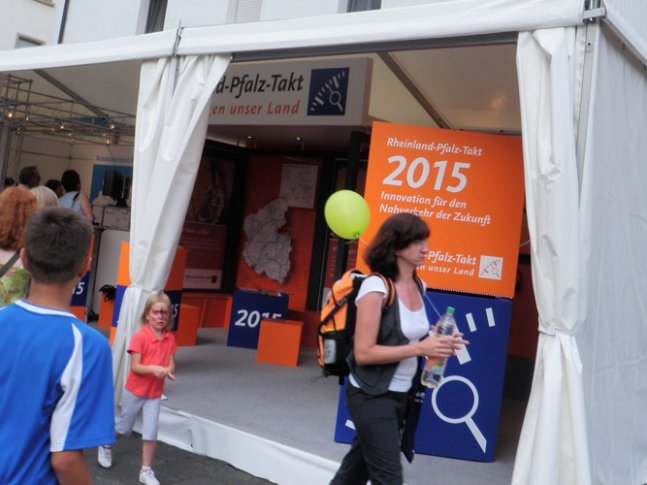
[[362, 241]]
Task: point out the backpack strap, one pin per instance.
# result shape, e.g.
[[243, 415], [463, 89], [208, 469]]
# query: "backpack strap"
[[390, 289], [7, 266]]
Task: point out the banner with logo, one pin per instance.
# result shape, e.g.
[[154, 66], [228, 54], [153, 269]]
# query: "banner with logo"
[[467, 186], [460, 417], [293, 93]]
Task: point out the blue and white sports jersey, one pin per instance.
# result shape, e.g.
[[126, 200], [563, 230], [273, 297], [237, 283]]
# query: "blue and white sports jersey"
[[55, 390]]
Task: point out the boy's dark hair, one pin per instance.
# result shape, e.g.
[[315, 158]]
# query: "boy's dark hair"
[[396, 233], [57, 243], [70, 180]]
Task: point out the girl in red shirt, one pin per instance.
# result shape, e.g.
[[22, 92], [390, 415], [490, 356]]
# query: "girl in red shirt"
[[152, 351]]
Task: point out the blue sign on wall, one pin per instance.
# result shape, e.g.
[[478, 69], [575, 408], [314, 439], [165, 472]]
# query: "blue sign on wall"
[[80, 292], [248, 308], [99, 173], [460, 418], [328, 89]]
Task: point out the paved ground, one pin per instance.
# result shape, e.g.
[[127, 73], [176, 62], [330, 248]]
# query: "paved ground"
[[172, 466]]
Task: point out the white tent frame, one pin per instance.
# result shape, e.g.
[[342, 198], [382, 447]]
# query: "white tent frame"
[[554, 446]]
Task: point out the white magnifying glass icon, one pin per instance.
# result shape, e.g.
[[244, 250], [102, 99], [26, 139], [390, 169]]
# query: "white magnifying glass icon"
[[334, 98], [467, 419]]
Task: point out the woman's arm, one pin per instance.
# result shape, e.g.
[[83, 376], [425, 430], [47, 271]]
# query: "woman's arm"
[[367, 326], [84, 202]]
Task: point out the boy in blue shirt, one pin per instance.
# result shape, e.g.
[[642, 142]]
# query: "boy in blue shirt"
[[56, 395]]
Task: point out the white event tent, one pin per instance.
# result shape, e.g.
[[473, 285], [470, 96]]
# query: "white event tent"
[[583, 92]]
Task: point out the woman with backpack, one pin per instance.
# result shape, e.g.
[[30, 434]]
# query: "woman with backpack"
[[388, 342]]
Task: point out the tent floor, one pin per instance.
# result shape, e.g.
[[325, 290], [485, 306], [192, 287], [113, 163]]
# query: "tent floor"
[[277, 422]]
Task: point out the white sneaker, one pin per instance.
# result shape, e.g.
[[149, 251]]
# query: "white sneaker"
[[104, 456], [147, 477]]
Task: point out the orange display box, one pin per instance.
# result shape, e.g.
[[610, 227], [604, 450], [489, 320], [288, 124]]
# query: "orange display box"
[[106, 309], [279, 342], [215, 308], [187, 329]]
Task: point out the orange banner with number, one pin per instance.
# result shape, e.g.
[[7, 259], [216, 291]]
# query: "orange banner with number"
[[467, 186]]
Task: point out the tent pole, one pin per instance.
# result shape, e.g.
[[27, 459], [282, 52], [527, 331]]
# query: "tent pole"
[[590, 46], [178, 38]]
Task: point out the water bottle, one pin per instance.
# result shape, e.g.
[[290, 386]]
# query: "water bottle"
[[432, 374]]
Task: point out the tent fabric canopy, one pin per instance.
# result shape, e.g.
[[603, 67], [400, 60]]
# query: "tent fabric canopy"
[[449, 18], [613, 330]]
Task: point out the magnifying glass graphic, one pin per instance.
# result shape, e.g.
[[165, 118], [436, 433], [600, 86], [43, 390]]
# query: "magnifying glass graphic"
[[467, 418], [334, 98]]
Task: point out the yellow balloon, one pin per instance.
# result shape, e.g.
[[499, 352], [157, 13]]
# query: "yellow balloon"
[[347, 214]]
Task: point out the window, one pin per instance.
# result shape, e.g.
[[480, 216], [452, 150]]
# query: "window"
[[248, 11], [361, 5], [156, 16]]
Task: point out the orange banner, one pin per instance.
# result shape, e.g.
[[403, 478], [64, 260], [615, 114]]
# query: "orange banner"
[[467, 186]]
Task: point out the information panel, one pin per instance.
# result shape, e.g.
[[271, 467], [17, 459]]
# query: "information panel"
[[469, 189], [460, 418], [248, 308]]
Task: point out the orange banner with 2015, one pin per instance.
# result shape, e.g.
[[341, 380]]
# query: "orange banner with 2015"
[[467, 186]]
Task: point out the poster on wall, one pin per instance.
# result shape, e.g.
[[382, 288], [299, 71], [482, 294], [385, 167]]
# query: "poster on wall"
[[299, 185], [110, 189], [467, 186], [205, 227]]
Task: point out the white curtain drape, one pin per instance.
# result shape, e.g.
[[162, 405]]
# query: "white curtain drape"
[[553, 447], [172, 117], [614, 226]]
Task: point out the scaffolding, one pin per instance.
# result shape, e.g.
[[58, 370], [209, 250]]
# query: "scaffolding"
[[25, 113]]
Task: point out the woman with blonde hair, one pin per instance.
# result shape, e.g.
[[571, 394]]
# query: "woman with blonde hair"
[[45, 197], [16, 206]]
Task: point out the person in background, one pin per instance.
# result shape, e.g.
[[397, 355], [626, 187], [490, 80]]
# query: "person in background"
[[384, 360], [152, 350], [9, 182], [56, 186], [73, 197], [16, 206], [29, 177], [56, 394], [44, 196]]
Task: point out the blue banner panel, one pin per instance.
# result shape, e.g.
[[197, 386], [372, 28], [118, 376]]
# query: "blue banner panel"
[[248, 308], [176, 298], [119, 297], [460, 418], [80, 292]]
